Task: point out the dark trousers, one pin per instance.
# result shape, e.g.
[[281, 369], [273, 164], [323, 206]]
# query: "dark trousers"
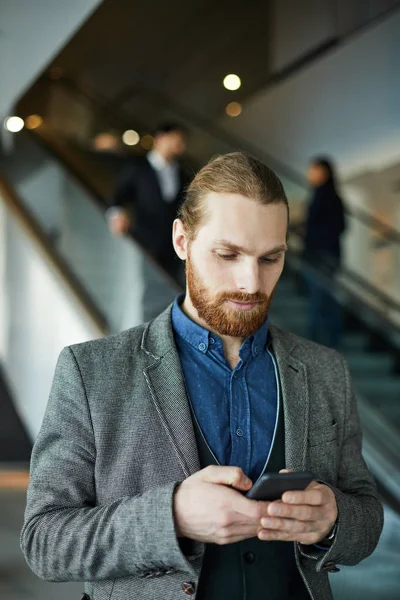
[[325, 313]]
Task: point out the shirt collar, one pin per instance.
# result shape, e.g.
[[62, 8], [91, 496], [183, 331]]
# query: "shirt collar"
[[201, 338], [158, 162]]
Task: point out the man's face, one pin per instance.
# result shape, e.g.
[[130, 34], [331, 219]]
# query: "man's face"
[[172, 144], [316, 175], [234, 263]]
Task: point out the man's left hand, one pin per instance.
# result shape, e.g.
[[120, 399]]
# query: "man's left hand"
[[302, 516]]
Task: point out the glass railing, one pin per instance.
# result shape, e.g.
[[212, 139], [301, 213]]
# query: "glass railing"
[[372, 263], [125, 284]]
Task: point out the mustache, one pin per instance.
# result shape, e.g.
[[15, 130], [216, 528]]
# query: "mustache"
[[258, 297]]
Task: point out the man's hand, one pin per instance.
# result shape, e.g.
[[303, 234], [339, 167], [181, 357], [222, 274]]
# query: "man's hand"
[[305, 517], [208, 508], [119, 222]]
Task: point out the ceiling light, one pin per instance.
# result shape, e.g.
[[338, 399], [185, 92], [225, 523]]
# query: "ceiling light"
[[147, 142], [233, 109], [33, 121], [232, 82], [13, 124], [131, 137], [105, 141]]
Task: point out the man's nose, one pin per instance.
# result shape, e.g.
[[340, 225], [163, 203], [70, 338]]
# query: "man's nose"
[[248, 280]]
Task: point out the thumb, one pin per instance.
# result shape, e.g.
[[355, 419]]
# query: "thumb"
[[286, 471], [232, 476]]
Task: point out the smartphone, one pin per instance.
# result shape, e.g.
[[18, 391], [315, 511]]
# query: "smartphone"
[[272, 486]]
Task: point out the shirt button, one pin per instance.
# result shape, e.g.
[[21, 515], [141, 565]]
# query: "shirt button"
[[239, 432], [188, 588], [255, 349], [202, 346], [249, 558], [212, 340]]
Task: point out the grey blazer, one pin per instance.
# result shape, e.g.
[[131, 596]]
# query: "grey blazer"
[[117, 438]]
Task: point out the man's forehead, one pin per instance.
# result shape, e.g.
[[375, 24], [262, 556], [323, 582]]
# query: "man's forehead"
[[226, 210], [227, 224]]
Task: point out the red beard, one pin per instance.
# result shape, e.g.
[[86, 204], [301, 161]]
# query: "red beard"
[[216, 312]]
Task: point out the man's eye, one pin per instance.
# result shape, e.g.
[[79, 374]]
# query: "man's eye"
[[270, 260], [227, 256]]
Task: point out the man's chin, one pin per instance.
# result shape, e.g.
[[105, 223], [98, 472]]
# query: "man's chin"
[[239, 322], [236, 309]]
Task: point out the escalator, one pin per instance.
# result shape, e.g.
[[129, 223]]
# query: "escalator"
[[64, 185]]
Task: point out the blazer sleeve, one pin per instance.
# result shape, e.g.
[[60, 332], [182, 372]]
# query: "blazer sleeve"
[[66, 536], [126, 190], [360, 512]]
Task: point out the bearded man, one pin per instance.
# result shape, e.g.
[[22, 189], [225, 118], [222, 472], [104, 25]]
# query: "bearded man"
[[153, 436]]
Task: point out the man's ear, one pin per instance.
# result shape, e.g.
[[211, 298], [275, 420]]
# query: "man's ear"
[[180, 239]]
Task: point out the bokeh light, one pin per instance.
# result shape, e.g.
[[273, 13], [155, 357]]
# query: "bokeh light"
[[105, 141], [232, 82], [131, 137], [147, 142], [233, 109], [33, 121], [13, 124]]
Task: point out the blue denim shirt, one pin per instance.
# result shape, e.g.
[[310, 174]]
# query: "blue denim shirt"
[[236, 409]]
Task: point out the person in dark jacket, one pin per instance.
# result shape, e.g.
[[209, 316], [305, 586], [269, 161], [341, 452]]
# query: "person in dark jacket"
[[147, 199], [325, 225]]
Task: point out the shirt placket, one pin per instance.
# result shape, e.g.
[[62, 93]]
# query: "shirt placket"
[[240, 420]]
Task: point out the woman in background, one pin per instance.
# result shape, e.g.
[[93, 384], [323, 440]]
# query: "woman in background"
[[325, 225]]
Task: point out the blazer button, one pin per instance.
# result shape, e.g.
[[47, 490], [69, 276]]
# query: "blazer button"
[[249, 558], [331, 567], [189, 588]]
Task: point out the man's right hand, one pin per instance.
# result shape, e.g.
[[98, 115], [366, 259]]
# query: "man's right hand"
[[119, 222], [208, 507]]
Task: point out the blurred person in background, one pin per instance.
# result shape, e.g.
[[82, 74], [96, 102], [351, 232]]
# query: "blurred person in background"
[[147, 199], [153, 436], [325, 225]]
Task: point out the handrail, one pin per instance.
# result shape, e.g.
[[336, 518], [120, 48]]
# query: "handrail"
[[30, 224], [384, 298], [386, 231], [336, 287]]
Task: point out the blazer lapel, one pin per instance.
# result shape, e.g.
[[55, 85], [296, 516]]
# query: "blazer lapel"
[[294, 387], [165, 381]]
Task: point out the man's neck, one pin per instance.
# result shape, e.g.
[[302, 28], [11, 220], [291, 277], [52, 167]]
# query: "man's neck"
[[165, 155], [231, 345]]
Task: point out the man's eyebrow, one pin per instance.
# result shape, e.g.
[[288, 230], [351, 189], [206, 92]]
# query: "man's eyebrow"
[[241, 250]]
